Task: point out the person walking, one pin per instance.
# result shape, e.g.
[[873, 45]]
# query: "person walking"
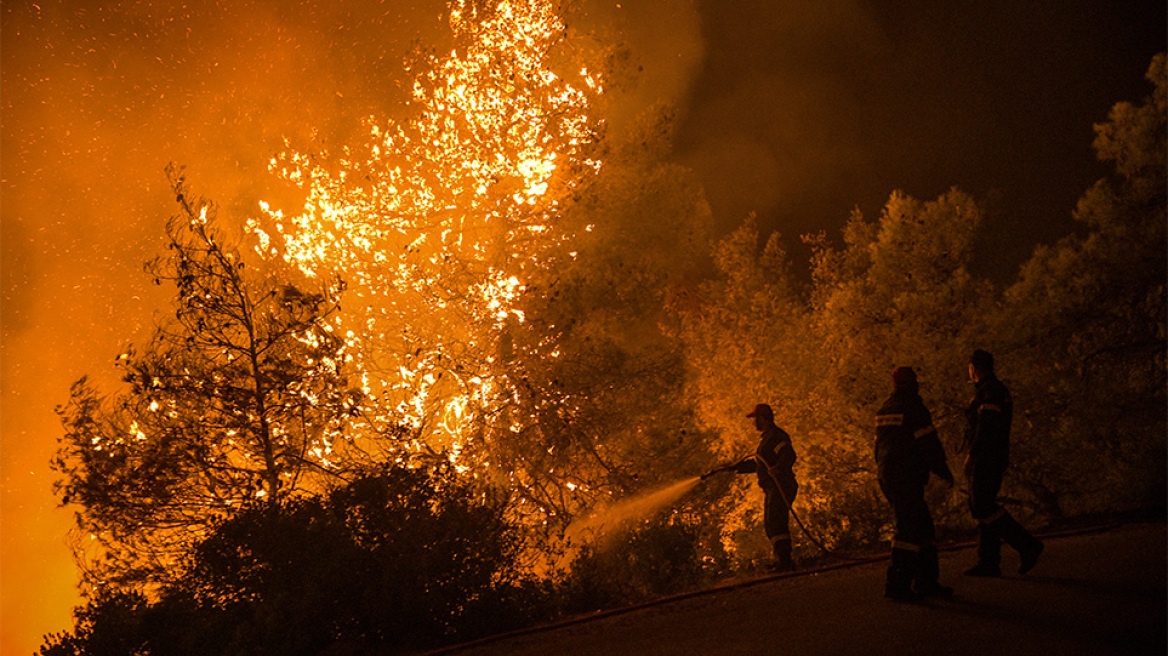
[[907, 450], [773, 461], [987, 436]]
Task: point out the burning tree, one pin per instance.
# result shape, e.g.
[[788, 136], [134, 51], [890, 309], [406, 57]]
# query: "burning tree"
[[241, 396], [439, 222], [598, 372], [450, 227], [486, 323]]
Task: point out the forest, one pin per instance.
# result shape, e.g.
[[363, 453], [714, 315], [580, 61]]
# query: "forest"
[[373, 414]]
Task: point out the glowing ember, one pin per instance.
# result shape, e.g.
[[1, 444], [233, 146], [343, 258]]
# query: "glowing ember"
[[435, 223]]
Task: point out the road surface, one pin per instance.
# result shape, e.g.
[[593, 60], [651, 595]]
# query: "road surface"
[[1096, 593]]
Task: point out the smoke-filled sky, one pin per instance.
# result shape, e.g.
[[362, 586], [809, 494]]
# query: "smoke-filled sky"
[[805, 109], [797, 109]]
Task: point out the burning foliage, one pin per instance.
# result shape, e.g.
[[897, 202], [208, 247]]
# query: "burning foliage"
[[241, 396]]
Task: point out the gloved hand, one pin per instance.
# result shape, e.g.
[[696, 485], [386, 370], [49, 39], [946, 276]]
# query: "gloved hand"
[[746, 466]]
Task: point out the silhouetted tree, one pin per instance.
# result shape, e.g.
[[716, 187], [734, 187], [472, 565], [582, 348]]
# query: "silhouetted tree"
[[1085, 326], [394, 562], [241, 396], [898, 292]]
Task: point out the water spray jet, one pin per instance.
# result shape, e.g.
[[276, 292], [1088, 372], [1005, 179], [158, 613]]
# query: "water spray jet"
[[600, 526]]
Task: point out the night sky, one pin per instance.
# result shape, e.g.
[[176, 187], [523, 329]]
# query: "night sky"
[[798, 110]]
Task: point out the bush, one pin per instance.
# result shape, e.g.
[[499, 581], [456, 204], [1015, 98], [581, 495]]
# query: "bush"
[[401, 561], [660, 557]]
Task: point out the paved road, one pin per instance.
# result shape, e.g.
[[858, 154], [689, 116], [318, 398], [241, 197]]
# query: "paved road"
[[1101, 593]]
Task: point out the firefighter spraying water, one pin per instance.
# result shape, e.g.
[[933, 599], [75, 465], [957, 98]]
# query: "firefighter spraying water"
[[772, 461]]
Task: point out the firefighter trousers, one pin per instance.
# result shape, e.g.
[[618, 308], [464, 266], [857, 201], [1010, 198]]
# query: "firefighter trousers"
[[994, 523], [776, 517], [914, 555]]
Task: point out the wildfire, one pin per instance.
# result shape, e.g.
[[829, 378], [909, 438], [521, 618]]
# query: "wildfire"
[[436, 222]]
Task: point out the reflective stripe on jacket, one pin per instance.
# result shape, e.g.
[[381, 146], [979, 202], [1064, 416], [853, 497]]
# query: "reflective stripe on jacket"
[[989, 416], [907, 445], [774, 460]]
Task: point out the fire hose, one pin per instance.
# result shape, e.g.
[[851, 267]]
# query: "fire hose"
[[782, 495]]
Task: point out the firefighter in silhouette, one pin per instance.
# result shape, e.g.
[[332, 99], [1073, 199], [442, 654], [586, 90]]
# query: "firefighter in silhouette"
[[988, 438], [772, 461], [907, 450]]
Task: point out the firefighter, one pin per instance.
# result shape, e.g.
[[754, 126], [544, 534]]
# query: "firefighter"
[[988, 438], [907, 450], [772, 461]]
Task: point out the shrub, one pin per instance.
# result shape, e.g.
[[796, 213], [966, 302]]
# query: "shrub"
[[660, 557], [404, 560]]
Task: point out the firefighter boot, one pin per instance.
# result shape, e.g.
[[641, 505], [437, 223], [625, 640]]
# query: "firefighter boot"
[[989, 552], [1029, 547], [782, 549], [927, 574], [901, 571]]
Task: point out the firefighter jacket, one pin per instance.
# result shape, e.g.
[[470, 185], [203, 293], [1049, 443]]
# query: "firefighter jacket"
[[907, 445], [776, 457], [989, 416]]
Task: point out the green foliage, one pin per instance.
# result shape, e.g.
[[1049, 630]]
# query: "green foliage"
[[900, 293], [897, 293], [1080, 338]]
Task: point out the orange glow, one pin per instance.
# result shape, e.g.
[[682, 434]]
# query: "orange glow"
[[436, 223]]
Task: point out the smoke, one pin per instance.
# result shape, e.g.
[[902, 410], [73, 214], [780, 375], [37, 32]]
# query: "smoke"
[[804, 110], [775, 116]]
